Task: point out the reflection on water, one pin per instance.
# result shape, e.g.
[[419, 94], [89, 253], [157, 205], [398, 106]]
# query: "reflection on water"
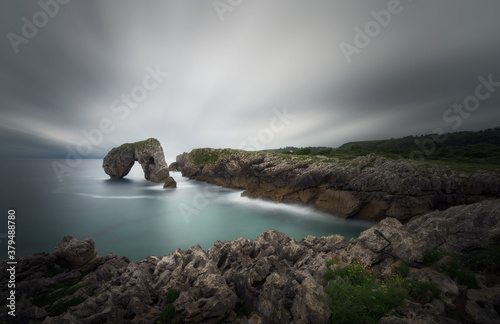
[[136, 218]]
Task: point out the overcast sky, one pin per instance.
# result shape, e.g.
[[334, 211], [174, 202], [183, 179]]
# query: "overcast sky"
[[212, 74]]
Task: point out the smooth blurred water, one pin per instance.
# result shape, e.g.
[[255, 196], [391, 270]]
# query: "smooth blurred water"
[[136, 218]]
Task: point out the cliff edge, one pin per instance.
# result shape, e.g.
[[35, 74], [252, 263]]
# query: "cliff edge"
[[367, 187]]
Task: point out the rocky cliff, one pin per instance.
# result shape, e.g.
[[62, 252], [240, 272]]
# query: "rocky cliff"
[[367, 187], [273, 279], [149, 153]]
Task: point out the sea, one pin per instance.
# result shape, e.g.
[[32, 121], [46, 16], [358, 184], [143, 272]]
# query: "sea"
[[135, 218]]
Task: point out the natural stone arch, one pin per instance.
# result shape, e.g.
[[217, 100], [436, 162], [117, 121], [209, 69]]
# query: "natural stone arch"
[[149, 153]]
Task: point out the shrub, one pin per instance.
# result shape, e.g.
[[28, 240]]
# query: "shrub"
[[354, 273], [325, 152], [402, 270], [204, 156], [172, 295], [462, 267], [357, 295], [365, 303], [168, 313], [303, 151], [457, 268], [432, 256]]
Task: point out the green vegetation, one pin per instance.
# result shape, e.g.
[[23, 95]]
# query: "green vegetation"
[[464, 266], [325, 152], [462, 152], [357, 295], [303, 151], [59, 291], [168, 313], [131, 147], [204, 156], [402, 270], [210, 156], [111, 273]]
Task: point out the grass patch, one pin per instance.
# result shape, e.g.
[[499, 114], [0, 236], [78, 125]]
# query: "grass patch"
[[357, 295], [204, 156], [111, 273], [360, 304], [168, 313], [432, 255], [463, 266], [210, 156], [402, 270], [59, 291]]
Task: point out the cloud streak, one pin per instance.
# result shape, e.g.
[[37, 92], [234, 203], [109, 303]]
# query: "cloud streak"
[[226, 77]]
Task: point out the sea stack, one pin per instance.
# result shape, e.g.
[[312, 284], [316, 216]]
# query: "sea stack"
[[149, 153]]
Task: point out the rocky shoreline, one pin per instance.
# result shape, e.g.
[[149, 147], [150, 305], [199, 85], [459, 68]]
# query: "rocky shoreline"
[[273, 279], [368, 187]]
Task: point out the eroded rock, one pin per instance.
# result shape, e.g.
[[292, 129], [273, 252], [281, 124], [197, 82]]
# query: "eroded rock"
[[367, 187], [75, 252], [483, 305], [170, 183], [272, 279], [149, 153]]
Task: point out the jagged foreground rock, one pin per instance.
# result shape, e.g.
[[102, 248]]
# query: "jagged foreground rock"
[[149, 153], [367, 187], [276, 278]]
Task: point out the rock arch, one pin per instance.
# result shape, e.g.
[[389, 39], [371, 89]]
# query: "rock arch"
[[149, 153]]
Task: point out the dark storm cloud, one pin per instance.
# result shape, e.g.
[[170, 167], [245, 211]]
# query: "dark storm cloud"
[[227, 77]]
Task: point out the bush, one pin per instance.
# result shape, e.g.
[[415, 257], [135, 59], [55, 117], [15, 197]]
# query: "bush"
[[457, 268], [168, 313], [325, 152], [354, 273], [204, 156], [357, 295], [432, 256], [303, 151], [172, 295], [402, 270], [462, 267]]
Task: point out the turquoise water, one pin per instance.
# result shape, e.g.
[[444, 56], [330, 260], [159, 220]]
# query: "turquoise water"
[[136, 218]]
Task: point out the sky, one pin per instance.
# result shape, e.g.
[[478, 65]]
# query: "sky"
[[81, 77]]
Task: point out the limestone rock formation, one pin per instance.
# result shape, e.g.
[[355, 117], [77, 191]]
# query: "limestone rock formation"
[[273, 279], [149, 153], [458, 228], [173, 167], [170, 183], [181, 160], [75, 252], [367, 187]]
